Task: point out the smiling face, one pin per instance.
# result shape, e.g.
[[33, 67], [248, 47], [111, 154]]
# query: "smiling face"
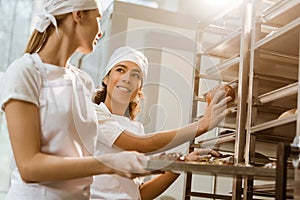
[[123, 83]]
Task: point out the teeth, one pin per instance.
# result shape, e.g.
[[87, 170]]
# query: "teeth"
[[124, 89]]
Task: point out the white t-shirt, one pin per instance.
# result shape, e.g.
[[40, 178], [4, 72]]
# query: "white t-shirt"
[[63, 96], [110, 128]]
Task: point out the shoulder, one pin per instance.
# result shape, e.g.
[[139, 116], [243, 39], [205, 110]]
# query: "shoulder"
[[102, 110], [23, 66], [23, 62], [139, 124], [21, 81]]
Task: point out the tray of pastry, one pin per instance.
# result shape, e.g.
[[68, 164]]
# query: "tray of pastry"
[[220, 166]]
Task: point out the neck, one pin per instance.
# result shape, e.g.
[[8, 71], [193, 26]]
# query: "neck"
[[57, 49], [116, 108]]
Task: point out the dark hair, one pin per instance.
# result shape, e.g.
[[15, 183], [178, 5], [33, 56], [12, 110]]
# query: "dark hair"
[[133, 108]]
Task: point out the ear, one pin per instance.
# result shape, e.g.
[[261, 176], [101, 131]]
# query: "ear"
[[105, 80], [78, 15]]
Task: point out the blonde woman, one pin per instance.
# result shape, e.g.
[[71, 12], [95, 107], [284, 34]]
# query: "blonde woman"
[[50, 116]]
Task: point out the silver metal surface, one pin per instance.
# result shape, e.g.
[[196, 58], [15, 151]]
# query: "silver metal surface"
[[206, 169]]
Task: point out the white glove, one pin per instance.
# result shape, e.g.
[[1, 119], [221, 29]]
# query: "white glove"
[[215, 111], [127, 163]]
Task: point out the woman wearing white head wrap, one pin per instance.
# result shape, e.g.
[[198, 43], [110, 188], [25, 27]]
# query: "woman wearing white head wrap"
[[50, 116], [122, 80], [127, 53]]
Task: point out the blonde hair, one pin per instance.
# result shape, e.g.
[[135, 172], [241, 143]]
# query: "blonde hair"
[[37, 39]]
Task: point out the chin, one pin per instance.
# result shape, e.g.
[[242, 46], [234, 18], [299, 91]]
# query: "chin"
[[85, 50], [122, 101]]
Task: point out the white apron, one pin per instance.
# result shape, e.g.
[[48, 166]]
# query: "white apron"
[[115, 187], [68, 128]]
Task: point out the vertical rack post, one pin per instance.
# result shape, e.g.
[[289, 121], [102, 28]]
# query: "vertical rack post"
[[242, 93], [283, 152]]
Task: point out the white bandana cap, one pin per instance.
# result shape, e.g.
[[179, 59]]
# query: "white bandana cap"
[[127, 53], [59, 7]]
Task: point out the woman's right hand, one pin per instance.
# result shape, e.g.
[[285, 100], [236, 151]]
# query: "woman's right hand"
[[128, 164], [215, 111]]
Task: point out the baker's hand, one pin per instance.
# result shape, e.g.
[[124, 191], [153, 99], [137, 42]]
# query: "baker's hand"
[[200, 154], [215, 111], [127, 163]]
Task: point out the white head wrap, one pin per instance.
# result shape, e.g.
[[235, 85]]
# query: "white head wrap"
[[126, 53], [58, 7]]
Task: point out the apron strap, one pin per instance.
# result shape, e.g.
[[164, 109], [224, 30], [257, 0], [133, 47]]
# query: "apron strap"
[[39, 64], [84, 115]]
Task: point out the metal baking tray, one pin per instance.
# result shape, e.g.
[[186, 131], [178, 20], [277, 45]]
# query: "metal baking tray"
[[209, 169]]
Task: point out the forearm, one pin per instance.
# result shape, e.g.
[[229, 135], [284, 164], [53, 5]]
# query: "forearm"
[[33, 164], [170, 139], [214, 114], [159, 142], [156, 186], [44, 167]]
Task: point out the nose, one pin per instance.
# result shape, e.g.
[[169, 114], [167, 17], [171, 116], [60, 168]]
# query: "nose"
[[100, 33], [126, 77]]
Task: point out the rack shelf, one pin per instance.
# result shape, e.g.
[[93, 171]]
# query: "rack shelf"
[[225, 71], [287, 35], [268, 190], [279, 93], [226, 48], [284, 69], [221, 30], [216, 141], [282, 13], [222, 143], [274, 123]]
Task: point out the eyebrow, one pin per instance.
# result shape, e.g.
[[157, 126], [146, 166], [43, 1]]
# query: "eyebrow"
[[121, 65], [137, 70]]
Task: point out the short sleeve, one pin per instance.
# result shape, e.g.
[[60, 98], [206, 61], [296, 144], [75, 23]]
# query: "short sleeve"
[[108, 128], [21, 81]]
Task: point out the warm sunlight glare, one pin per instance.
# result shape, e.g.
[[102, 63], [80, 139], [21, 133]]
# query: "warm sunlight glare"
[[222, 3]]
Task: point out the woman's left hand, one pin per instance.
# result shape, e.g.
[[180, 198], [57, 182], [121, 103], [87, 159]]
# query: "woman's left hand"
[[201, 154]]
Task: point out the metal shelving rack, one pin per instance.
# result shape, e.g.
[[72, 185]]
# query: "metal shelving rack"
[[261, 54], [270, 35], [273, 79], [264, 53], [231, 51]]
